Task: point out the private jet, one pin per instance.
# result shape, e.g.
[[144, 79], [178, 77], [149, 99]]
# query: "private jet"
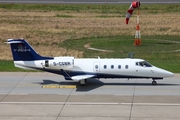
[[82, 69]]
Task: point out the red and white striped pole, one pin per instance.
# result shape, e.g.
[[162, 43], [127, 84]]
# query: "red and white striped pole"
[[137, 40]]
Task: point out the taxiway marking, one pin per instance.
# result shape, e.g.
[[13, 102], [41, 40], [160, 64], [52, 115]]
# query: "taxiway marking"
[[59, 86]]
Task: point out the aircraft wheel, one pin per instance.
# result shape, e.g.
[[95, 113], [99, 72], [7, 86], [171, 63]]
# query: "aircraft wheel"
[[154, 82]]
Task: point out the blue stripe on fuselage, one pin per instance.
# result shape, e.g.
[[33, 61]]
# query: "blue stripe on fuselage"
[[67, 74]]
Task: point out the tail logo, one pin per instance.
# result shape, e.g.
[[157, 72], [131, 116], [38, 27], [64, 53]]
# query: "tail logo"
[[22, 49]]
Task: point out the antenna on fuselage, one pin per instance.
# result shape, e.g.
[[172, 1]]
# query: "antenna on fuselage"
[[98, 57], [130, 55]]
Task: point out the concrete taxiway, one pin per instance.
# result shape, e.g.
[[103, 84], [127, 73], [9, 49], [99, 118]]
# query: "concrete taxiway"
[[39, 95]]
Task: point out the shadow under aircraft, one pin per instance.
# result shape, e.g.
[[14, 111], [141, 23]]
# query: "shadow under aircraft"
[[95, 83]]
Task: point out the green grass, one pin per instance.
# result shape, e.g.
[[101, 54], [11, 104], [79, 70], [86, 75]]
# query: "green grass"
[[157, 50], [96, 8], [8, 65]]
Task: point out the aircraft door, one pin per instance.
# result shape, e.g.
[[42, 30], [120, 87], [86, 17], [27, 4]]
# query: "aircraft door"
[[96, 66], [45, 63]]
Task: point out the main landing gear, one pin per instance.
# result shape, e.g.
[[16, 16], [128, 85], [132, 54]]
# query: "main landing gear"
[[154, 82], [83, 82]]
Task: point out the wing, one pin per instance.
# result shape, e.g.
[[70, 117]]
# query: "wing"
[[82, 77]]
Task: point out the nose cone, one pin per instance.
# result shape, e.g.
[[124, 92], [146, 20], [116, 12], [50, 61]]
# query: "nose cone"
[[163, 73], [168, 74]]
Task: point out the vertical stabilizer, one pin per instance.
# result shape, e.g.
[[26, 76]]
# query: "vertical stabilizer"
[[22, 51]]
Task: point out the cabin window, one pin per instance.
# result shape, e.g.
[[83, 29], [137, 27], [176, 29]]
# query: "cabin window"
[[105, 66], [126, 66], [119, 66], [112, 66], [96, 66]]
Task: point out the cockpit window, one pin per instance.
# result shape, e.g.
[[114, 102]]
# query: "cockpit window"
[[143, 64]]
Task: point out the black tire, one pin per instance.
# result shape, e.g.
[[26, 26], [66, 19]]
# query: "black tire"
[[154, 83]]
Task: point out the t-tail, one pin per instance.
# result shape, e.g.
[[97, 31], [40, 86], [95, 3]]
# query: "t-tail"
[[23, 52]]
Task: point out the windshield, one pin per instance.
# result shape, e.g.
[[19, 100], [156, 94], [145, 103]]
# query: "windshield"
[[143, 64]]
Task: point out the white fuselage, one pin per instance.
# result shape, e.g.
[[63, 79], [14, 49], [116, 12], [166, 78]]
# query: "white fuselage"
[[102, 68], [82, 69]]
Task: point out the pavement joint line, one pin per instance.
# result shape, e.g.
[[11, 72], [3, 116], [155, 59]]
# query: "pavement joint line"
[[61, 103], [153, 104], [52, 103], [134, 90], [18, 94], [3, 93], [92, 103], [64, 105], [14, 87]]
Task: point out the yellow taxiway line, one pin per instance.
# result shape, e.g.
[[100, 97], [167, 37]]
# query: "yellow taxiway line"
[[59, 86]]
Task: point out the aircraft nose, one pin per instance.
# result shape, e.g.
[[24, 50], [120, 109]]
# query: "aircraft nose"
[[165, 73], [169, 74]]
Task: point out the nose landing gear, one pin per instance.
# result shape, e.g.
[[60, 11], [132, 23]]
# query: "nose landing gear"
[[154, 82]]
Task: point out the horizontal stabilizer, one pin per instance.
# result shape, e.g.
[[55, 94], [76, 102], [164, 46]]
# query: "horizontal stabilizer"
[[82, 77]]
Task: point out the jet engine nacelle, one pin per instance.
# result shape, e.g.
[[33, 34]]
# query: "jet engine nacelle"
[[59, 63]]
